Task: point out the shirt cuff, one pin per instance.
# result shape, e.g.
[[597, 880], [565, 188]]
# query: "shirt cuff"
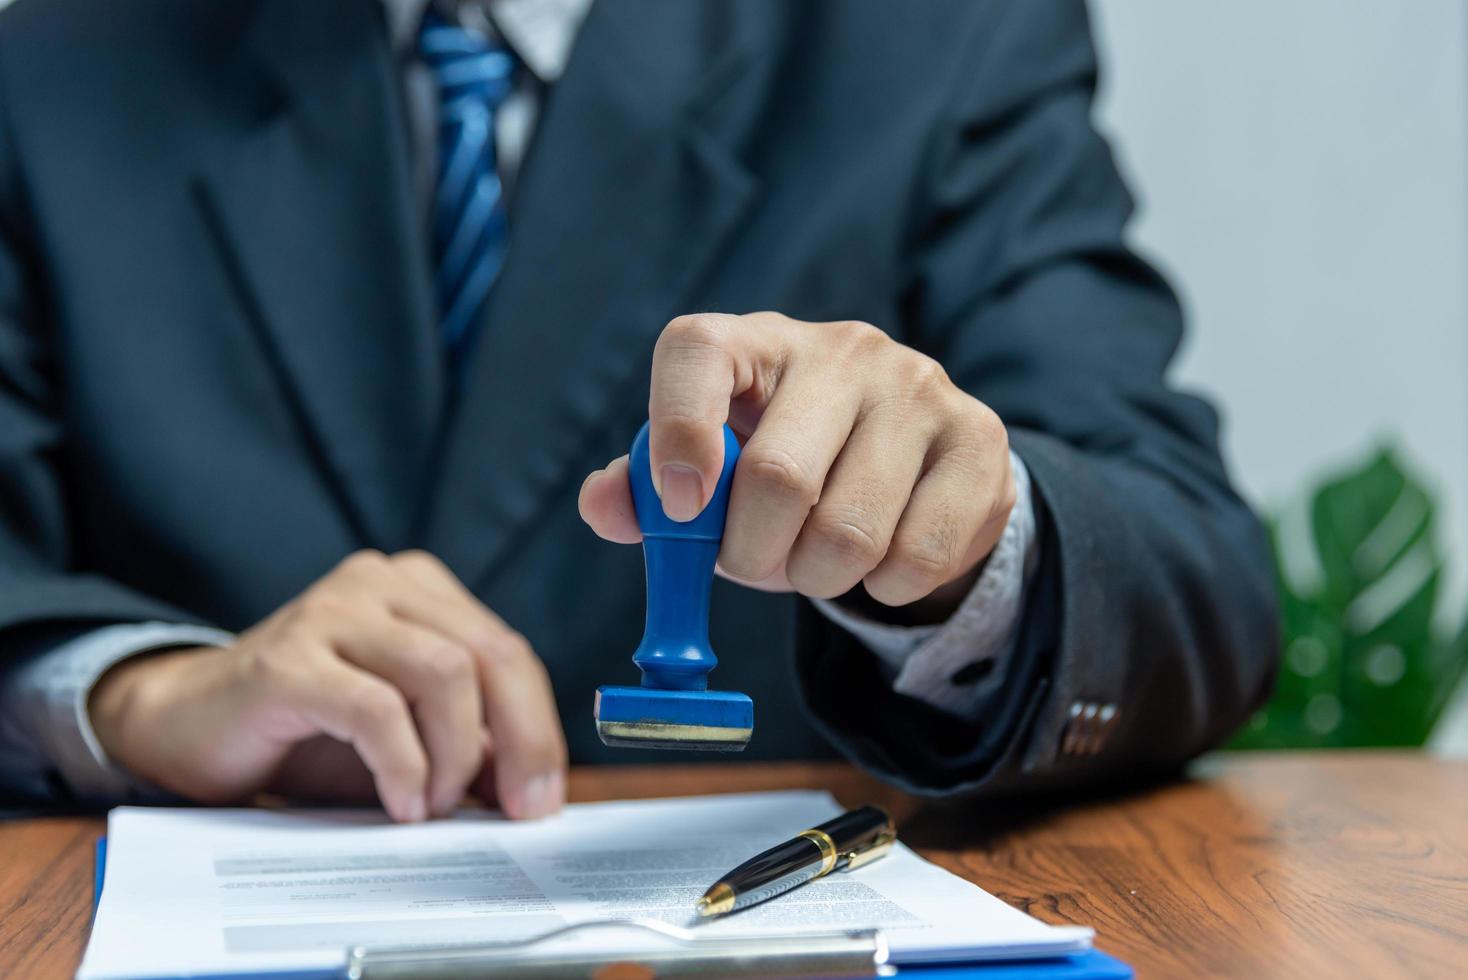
[[45, 730], [954, 666]]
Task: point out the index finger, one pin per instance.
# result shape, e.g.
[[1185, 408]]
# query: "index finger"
[[529, 749], [366, 712], [519, 705], [700, 364]]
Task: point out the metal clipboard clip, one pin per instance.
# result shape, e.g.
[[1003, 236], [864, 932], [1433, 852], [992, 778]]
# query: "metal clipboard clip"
[[859, 953]]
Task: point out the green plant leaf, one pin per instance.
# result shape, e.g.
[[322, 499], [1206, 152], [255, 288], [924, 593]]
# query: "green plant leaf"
[[1361, 665]]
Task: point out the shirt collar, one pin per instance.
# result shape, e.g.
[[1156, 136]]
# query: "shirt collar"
[[542, 32]]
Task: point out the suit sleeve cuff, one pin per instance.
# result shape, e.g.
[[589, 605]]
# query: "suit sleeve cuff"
[[46, 726], [957, 666]]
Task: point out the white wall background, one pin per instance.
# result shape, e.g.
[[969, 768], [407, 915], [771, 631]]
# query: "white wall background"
[[1303, 172]]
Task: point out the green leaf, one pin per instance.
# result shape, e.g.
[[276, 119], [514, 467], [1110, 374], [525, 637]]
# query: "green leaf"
[[1361, 664]]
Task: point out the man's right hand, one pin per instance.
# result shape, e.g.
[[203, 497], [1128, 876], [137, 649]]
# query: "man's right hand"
[[386, 673]]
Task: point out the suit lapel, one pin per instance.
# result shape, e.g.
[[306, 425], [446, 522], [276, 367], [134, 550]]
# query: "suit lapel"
[[309, 200], [625, 200]]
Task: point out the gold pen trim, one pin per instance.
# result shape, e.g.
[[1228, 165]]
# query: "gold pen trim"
[[828, 848], [716, 901], [878, 848]]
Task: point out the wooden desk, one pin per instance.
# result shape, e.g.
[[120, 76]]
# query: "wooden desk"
[[1297, 865]]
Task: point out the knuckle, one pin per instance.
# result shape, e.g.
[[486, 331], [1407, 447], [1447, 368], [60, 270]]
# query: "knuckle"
[[747, 564], [923, 375], [270, 667], [417, 558], [861, 336], [480, 640], [774, 317], [296, 614], [988, 427], [510, 650], [373, 704], [848, 538], [318, 605], [695, 330], [925, 559], [368, 560], [775, 470], [681, 427], [976, 437], [445, 665]]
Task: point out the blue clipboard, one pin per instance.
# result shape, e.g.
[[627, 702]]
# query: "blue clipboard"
[[1090, 965]]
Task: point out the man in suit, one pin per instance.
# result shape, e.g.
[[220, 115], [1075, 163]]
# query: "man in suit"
[[315, 317]]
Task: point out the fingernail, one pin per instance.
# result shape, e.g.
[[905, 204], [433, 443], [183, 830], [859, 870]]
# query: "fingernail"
[[682, 492], [417, 809]]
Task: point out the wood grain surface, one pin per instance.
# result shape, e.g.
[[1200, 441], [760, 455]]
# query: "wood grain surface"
[[1285, 865]]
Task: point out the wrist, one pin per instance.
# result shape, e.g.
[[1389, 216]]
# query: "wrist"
[[131, 695]]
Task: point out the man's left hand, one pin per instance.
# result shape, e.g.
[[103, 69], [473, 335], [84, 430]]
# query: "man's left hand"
[[862, 461]]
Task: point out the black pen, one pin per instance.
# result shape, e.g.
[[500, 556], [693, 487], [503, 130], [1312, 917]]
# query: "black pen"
[[849, 841]]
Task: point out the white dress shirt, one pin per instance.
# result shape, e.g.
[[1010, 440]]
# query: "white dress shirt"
[[47, 745]]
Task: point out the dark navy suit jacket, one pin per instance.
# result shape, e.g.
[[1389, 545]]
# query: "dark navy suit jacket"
[[219, 372]]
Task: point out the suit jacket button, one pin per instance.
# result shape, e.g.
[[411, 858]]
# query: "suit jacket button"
[[1105, 715], [1092, 740], [1070, 737]]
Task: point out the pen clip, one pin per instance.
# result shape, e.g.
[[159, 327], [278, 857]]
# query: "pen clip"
[[870, 850]]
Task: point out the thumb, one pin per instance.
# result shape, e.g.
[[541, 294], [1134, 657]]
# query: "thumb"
[[606, 504]]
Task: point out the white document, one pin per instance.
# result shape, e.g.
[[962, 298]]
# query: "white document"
[[192, 891]]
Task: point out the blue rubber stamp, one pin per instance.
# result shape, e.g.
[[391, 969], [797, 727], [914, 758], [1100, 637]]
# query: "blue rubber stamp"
[[674, 709]]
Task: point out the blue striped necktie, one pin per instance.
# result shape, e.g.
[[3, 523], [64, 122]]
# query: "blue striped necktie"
[[474, 75]]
